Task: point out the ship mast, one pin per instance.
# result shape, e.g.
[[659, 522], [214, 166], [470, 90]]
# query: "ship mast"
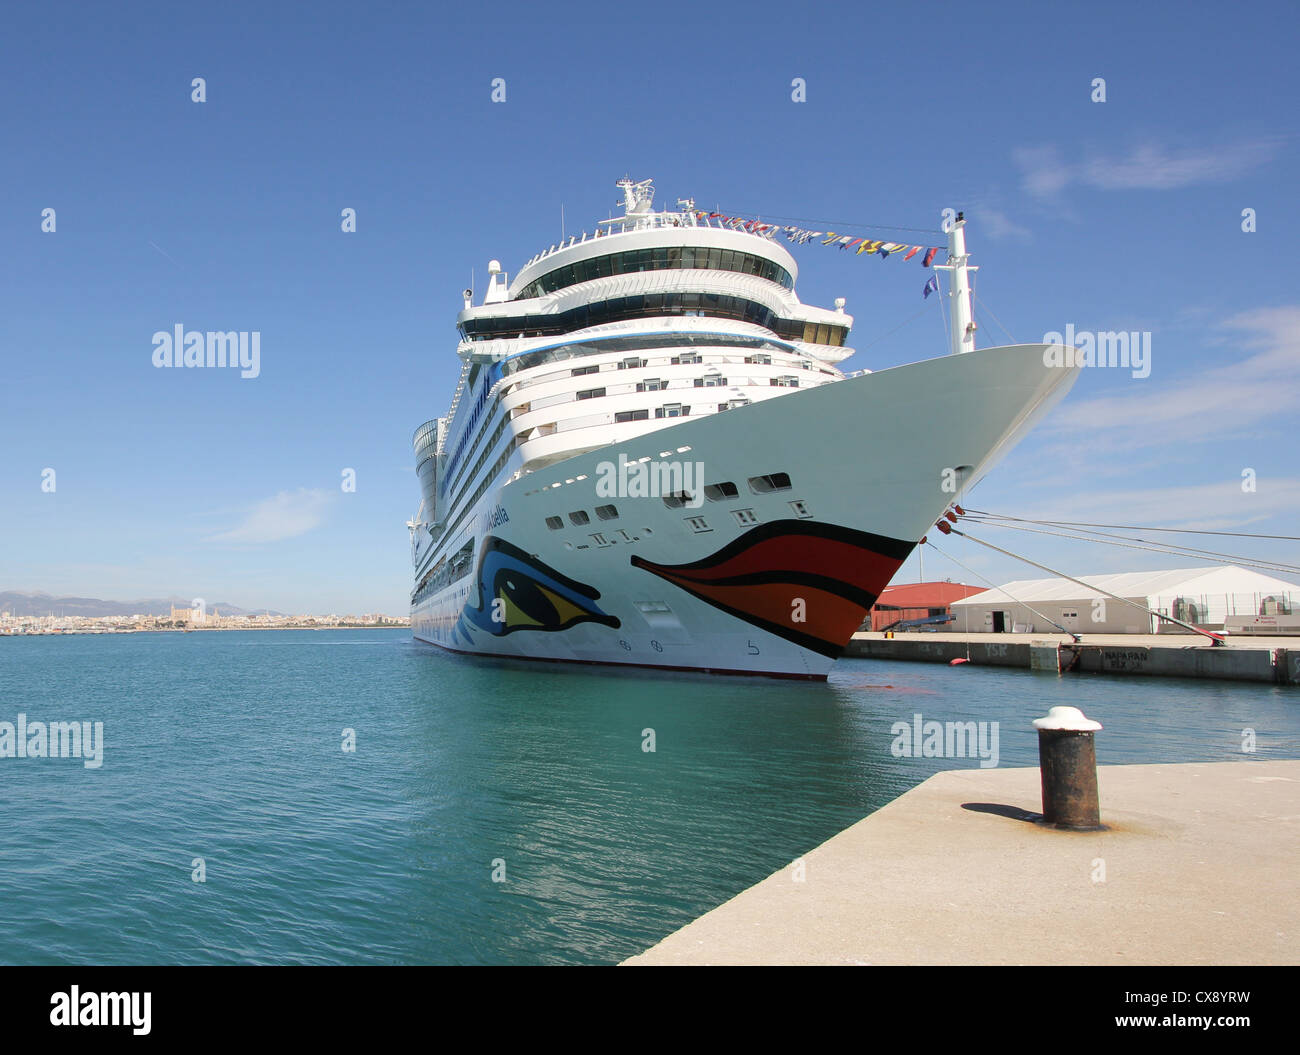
[[959, 296]]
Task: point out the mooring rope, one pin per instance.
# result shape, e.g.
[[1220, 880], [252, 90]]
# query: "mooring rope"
[[1216, 638], [1106, 539]]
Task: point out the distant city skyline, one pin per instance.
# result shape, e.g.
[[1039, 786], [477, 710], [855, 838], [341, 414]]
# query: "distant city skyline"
[[322, 191], [37, 604]]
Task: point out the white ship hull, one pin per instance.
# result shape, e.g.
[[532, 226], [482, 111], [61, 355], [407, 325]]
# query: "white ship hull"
[[872, 460]]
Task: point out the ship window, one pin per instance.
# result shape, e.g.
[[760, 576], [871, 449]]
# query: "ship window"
[[745, 516], [591, 393], [672, 410], [554, 523], [761, 358], [620, 308], [721, 492], [632, 415], [786, 381], [607, 512], [673, 257], [711, 381], [634, 363], [686, 359], [801, 510], [738, 403], [677, 499], [578, 371], [771, 482], [651, 384], [698, 524], [579, 517]]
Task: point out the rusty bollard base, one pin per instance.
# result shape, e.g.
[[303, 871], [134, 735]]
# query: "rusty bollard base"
[[1068, 766]]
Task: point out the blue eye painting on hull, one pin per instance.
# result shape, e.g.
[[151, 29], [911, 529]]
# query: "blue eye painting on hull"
[[519, 592]]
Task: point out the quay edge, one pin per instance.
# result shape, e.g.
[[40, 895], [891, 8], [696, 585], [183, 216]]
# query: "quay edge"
[[1268, 660], [1195, 866]]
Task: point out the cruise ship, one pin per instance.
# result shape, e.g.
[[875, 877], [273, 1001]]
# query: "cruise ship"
[[652, 457]]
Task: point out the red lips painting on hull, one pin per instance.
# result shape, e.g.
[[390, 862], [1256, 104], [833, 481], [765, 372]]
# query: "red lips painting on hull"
[[809, 583]]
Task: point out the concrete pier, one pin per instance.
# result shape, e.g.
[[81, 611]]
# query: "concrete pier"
[[1197, 866], [1272, 660]]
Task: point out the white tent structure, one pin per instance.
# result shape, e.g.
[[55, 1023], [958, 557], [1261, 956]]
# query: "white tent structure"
[[1214, 597]]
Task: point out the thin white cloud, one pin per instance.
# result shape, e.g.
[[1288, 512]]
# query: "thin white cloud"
[[1177, 505], [285, 515], [1043, 171], [1263, 385], [998, 225], [1046, 170]]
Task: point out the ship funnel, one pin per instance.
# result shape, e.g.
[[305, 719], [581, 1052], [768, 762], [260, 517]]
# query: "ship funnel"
[[426, 442]]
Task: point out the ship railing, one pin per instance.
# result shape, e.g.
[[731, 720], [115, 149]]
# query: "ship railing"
[[455, 402], [651, 222]]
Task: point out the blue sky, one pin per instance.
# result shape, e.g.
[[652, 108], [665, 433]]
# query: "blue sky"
[[1122, 215]]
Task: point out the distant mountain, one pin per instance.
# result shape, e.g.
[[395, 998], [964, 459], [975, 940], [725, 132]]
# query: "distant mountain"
[[34, 604]]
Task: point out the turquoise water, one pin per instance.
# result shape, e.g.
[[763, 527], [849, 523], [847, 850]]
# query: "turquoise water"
[[228, 747]]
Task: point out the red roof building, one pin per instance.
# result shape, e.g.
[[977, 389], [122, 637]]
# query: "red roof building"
[[918, 600]]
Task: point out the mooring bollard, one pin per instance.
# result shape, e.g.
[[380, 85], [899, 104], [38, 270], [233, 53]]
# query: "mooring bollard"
[[1067, 760]]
